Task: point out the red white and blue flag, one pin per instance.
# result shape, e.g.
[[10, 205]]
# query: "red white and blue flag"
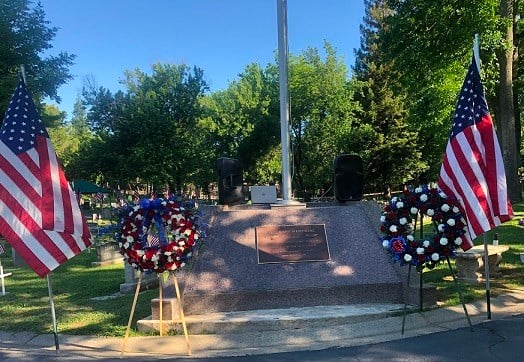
[[473, 169], [39, 214]]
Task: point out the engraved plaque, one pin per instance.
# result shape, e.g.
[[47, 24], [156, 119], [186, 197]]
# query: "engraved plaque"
[[291, 243]]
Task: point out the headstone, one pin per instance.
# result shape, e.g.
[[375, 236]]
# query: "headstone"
[[17, 259], [106, 214], [149, 280], [108, 253]]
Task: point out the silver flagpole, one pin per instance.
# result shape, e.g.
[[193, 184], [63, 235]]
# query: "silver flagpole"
[[53, 316], [22, 71], [284, 100], [50, 290], [476, 54]]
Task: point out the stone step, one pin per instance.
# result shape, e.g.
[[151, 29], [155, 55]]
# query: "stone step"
[[270, 319]]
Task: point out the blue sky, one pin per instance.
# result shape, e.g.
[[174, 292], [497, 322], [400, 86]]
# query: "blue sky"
[[219, 36]]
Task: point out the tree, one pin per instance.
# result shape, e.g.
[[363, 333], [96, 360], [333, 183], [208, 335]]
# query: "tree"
[[242, 122], [322, 115], [389, 148], [25, 36], [161, 123], [79, 123], [429, 42], [150, 132]]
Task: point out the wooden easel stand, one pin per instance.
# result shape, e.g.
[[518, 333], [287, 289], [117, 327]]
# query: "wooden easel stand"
[[160, 294]]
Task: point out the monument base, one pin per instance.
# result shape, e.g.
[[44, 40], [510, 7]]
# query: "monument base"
[[226, 275]]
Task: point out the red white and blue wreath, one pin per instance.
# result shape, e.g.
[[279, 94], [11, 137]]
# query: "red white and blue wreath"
[[404, 214], [158, 235]]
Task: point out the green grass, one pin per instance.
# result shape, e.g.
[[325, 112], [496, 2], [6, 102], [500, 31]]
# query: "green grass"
[[511, 268], [26, 305]]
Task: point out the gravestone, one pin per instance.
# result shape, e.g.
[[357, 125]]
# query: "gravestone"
[[227, 275], [108, 253], [149, 280], [18, 261]]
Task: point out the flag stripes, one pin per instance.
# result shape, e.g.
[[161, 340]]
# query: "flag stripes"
[[472, 168], [39, 215]]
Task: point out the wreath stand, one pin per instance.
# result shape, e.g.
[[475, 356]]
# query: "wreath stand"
[[180, 309], [421, 284]]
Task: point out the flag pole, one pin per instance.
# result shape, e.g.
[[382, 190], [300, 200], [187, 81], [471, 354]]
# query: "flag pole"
[[476, 51], [476, 54], [53, 315], [284, 99], [49, 288], [22, 72]]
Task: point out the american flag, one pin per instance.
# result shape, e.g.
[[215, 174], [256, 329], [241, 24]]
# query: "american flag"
[[472, 169], [153, 240], [39, 215], [2, 250], [99, 196]]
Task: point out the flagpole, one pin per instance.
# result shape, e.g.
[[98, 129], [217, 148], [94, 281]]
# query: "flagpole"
[[53, 316], [284, 100], [49, 289], [22, 72], [476, 54], [476, 51]]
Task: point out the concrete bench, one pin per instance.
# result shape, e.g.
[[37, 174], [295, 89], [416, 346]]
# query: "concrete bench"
[[470, 264]]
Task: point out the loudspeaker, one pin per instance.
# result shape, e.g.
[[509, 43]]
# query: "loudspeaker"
[[229, 181], [348, 180]]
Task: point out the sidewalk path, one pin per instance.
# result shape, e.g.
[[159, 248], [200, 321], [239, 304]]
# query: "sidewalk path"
[[446, 331]]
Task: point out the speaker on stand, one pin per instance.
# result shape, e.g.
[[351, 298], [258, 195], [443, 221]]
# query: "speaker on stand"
[[348, 180], [230, 181]]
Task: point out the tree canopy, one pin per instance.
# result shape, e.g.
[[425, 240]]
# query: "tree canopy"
[[166, 130], [26, 35]]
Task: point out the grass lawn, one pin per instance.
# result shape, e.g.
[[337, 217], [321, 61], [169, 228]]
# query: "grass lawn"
[[26, 306], [76, 282], [512, 269]]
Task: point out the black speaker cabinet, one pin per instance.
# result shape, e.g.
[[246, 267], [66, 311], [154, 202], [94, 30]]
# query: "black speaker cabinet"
[[348, 180], [229, 181]]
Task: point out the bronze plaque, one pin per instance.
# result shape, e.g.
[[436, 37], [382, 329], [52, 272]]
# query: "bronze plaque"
[[291, 243]]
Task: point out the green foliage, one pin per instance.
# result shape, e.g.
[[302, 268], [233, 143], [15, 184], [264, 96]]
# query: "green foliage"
[[243, 121], [322, 114], [388, 144], [149, 132], [429, 44], [25, 35]]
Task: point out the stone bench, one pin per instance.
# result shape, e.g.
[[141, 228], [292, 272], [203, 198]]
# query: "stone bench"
[[470, 264]]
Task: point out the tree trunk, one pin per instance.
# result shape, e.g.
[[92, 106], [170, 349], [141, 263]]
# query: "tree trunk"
[[506, 119]]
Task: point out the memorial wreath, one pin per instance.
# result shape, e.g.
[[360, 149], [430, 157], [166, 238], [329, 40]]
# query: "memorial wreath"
[[405, 213], [158, 235]]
